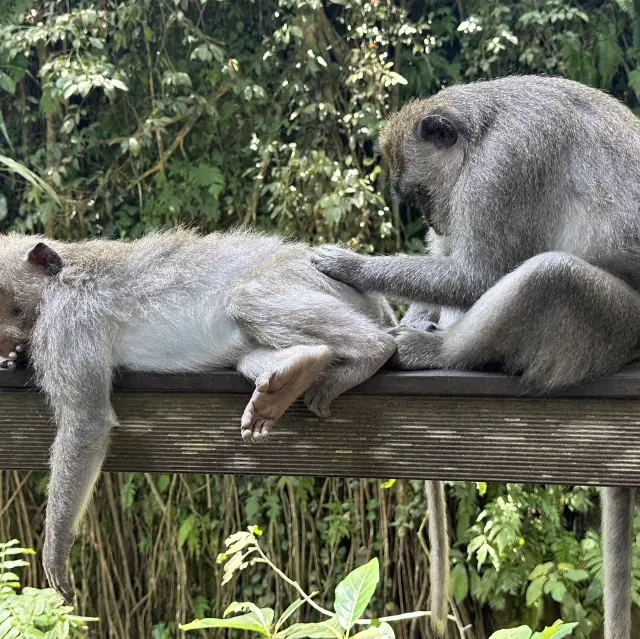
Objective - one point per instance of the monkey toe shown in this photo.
(277, 390)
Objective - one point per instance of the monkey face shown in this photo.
(14, 324)
(25, 276)
(425, 152)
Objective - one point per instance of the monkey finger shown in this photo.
(13, 356)
(58, 581)
(19, 348)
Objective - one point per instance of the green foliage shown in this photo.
(32, 613)
(352, 597)
(556, 631)
(117, 117)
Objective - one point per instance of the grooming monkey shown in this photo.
(531, 186)
(173, 302)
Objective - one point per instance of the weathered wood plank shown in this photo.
(459, 427)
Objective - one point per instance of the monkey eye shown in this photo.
(16, 311)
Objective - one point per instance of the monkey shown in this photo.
(174, 301)
(532, 187)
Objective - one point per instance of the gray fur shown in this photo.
(532, 185)
(176, 301)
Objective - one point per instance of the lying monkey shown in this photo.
(532, 187)
(172, 302)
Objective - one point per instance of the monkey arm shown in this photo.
(72, 355)
(440, 280)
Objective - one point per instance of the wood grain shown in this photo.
(453, 426)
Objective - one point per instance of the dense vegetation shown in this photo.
(263, 112)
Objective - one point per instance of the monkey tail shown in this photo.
(439, 566)
(617, 515)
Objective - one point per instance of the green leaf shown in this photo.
(29, 176)
(534, 591)
(354, 593)
(540, 570)
(459, 583)
(288, 612)
(388, 484)
(558, 591)
(7, 83)
(263, 615)
(185, 530)
(247, 622)
(521, 632)
(119, 84)
(557, 631)
(3, 130)
(329, 629)
(383, 631)
(577, 575)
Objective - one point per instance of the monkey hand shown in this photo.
(54, 560)
(340, 264)
(9, 363)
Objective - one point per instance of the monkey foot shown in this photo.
(9, 362)
(277, 390)
(416, 349)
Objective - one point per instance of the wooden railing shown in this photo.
(430, 425)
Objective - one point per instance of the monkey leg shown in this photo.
(294, 315)
(280, 376)
(355, 364)
(556, 319)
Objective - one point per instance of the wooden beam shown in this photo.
(424, 425)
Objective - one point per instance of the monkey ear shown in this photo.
(45, 258)
(438, 130)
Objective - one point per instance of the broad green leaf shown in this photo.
(388, 484)
(263, 615)
(383, 631)
(557, 631)
(633, 79)
(540, 570)
(329, 629)
(7, 83)
(534, 591)
(397, 78)
(119, 84)
(354, 593)
(558, 591)
(185, 529)
(244, 622)
(459, 583)
(577, 575)
(521, 632)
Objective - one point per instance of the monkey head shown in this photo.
(26, 267)
(424, 145)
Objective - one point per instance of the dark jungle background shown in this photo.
(262, 112)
